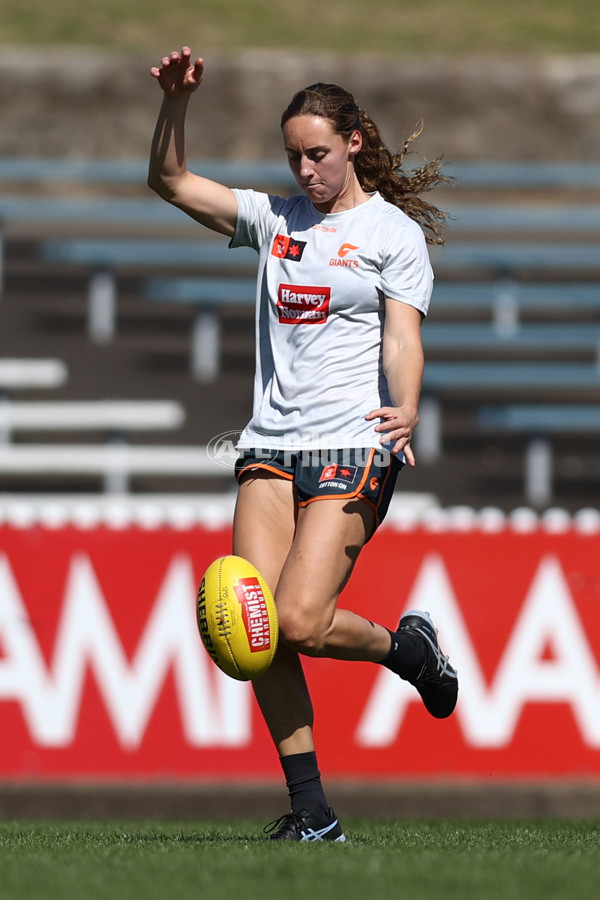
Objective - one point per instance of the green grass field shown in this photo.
(454, 860)
(392, 26)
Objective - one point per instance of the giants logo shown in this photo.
(285, 247)
(341, 259)
(303, 304)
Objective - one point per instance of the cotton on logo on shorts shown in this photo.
(303, 304)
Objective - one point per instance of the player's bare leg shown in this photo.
(329, 534)
(329, 537)
(306, 557)
(266, 532)
(264, 528)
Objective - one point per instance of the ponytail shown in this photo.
(377, 169)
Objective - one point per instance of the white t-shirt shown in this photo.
(320, 305)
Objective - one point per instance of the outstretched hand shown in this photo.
(177, 75)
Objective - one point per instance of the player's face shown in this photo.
(321, 161)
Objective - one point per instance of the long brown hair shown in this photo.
(376, 167)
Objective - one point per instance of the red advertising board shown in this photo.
(102, 672)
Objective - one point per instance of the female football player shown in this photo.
(344, 282)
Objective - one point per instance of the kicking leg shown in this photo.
(264, 528)
(329, 537)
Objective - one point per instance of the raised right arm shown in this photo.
(207, 201)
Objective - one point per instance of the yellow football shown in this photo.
(237, 618)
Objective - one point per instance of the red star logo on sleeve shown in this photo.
(286, 248)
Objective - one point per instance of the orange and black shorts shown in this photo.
(362, 472)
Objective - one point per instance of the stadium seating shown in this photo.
(113, 463)
(18, 374)
(540, 423)
(514, 317)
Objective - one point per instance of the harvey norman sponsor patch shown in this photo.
(304, 304)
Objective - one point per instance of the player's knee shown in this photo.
(302, 633)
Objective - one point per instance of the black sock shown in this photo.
(303, 781)
(407, 655)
